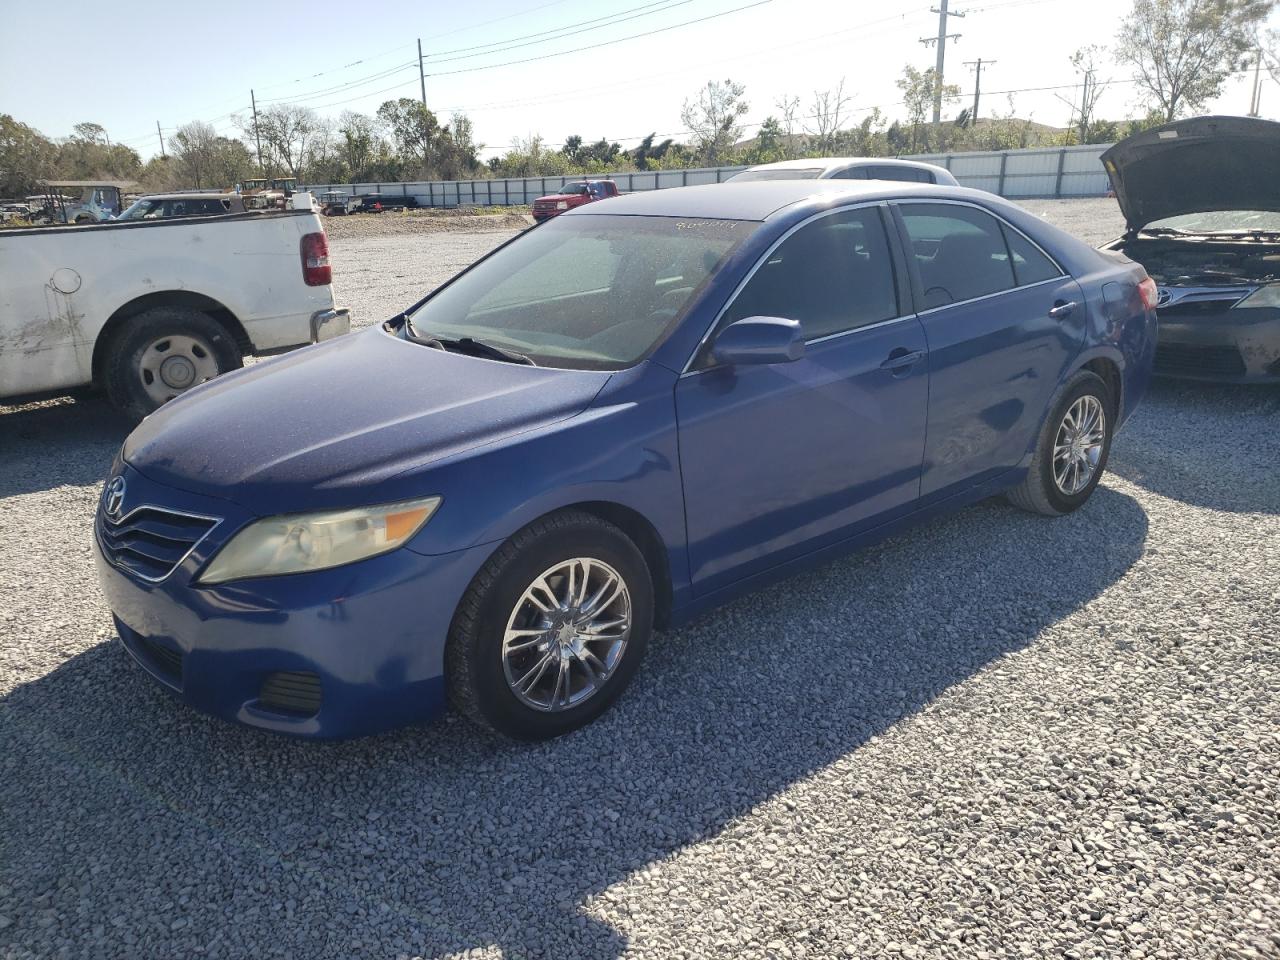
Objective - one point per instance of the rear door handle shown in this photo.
(1062, 308)
(902, 358)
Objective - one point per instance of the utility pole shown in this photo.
(1255, 102)
(1084, 104)
(160, 134)
(422, 77)
(977, 85)
(257, 137)
(941, 40)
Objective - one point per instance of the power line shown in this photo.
(604, 43)
(644, 10)
(349, 85)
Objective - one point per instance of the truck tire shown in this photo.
(163, 352)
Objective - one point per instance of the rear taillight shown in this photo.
(1150, 295)
(316, 271)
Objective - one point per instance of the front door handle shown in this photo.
(900, 359)
(1062, 308)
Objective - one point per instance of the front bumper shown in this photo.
(363, 643)
(1230, 346)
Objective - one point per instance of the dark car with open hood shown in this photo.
(1201, 202)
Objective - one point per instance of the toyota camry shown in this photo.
(616, 420)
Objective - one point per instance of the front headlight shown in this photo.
(562, 204)
(300, 542)
(1268, 296)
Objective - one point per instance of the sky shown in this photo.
(173, 63)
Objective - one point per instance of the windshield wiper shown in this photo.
(471, 346)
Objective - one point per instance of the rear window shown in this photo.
(889, 171)
(793, 173)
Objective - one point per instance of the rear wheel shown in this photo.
(1072, 451)
(552, 629)
(163, 352)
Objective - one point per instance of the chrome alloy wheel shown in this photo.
(1077, 448)
(567, 634)
(174, 364)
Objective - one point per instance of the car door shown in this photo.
(1002, 321)
(781, 459)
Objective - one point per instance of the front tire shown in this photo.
(1071, 453)
(163, 352)
(552, 628)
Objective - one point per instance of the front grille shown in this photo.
(150, 542)
(1184, 359)
(291, 691)
(165, 659)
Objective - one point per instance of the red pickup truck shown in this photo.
(573, 195)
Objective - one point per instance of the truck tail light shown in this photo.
(316, 271)
(1150, 295)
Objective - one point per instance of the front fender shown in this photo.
(623, 451)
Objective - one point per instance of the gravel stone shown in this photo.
(997, 735)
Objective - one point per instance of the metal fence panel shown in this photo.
(1036, 172)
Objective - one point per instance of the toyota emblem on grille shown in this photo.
(1165, 295)
(115, 498)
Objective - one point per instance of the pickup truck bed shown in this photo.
(149, 309)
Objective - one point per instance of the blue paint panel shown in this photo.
(739, 475)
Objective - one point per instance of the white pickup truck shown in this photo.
(148, 309)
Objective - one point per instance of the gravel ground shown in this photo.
(995, 736)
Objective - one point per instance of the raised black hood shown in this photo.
(1195, 166)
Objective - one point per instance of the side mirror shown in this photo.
(755, 340)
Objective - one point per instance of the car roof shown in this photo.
(187, 196)
(841, 163)
(757, 200)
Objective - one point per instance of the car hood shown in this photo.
(1196, 166)
(345, 421)
(561, 196)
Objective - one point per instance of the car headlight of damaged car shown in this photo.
(1268, 296)
(300, 542)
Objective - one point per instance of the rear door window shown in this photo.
(960, 252)
(1029, 264)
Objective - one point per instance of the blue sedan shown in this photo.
(616, 420)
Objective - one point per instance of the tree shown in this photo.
(828, 115)
(414, 129)
(1182, 51)
(572, 147)
(202, 158)
(770, 145)
(646, 154)
(92, 133)
(919, 90)
(788, 106)
(714, 119)
(359, 136)
(286, 132)
(26, 155)
(1085, 61)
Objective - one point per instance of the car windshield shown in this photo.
(147, 206)
(575, 188)
(584, 292)
(790, 173)
(1221, 221)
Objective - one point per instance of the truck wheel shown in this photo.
(163, 352)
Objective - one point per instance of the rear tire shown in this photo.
(163, 352)
(499, 637)
(1071, 453)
